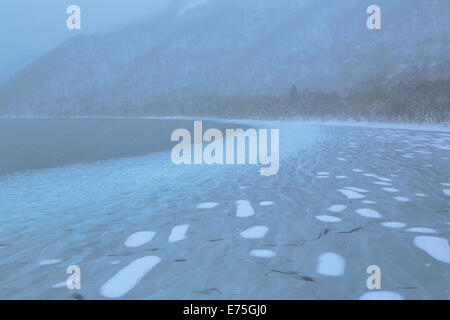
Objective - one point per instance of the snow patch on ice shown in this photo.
(381, 295)
(256, 232)
(260, 253)
(436, 247)
(244, 209)
(394, 224)
(368, 213)
(392, 190)
(421, 230)
(351, 194)
(139, 238)
(207, 205)
(402, 199)
(178, 233)
(325, 218)
(127, 278)
(446, 192)
(337, 208)
(331, 264)
(357, 189)
(266, 203)
(47, 262)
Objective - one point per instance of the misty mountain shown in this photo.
(210, 48)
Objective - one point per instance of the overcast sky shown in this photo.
(32, 27)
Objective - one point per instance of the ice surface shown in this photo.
(369, 202)
(381, 295)
(207, 205)
(127, 278)
(436, 247)
(368, 213)
(331, 264)
(178, 233)
(337, 208)
(256, 232)
(261, 253)
(266, 203)
(325, 218)
(394, 224)
(446, 192)
(244, 209)
(139, 238)
(351, 194)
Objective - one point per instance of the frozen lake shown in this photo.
(139, 227)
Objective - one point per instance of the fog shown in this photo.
(29, 28)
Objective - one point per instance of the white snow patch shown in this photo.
(326, 218)
(256, 232)
(244, 209)
(421, 230)
(337, 208)
(368, 213)
(60, 285)
(178, 233)
(357, 170)
(351, 194)
(331, 264)
(127, 278)
(341, 177)
(357, 189)
(323, 173)
(139, 238)
(436, 247)
(263, 253)
(402, 199)
(377, 177)
(207, 205)
(381, 295)
(422, 195)
(445, 184)
(47, 262)
(392, 190)
(446, 192)
(380, 183)
(266, 203)
(394, 224)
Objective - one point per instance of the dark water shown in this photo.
(44, 143)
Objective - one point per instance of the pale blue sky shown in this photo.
(32, 27)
